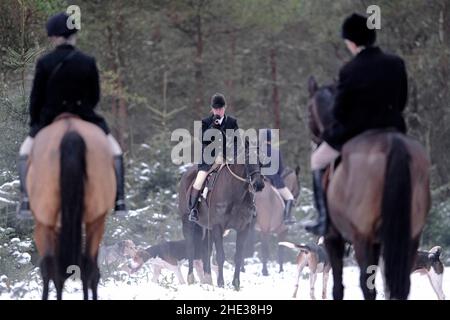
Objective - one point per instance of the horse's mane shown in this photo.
(324, 100)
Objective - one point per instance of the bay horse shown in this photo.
(228, 206)
(378, 200)
(70, 186)
(270, 216)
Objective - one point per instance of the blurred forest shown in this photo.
(161, 61)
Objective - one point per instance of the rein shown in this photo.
(234, 174)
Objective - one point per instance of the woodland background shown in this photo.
(160, 62)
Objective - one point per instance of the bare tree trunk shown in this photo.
(445, 38)
(198, 63)
(275, 96)
(119, 104)
(229, 82)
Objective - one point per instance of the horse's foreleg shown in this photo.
(188, 231)
(367, 255)
(220, 253)
(206, 258)
(241, 238)
(281, 237)
(264, 252)
(335, 247)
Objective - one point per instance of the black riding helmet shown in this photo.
(57, 26)
(355, 29)
(218, 101)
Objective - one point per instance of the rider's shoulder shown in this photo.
(395, 59)
(208, 120)
(231, 119)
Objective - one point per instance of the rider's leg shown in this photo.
(120, 206)
(22, 167)
(320, 159)
(289, 199)
(195, 194)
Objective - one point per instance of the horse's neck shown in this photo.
(235, 184)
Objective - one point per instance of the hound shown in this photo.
(167, 255)
(117, 253)
(315, 257)
(429, 263)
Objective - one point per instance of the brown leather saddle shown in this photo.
(209, 184)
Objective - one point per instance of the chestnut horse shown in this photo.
(270, 215)
(70, 185)
(378, 199)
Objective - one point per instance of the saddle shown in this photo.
(329, 173)
(211, 179)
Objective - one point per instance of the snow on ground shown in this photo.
(254, 286)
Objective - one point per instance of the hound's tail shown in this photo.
(303, 247)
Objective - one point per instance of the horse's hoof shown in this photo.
(281, 270)
(242, 269)
(207, 279)
(265, 273)
(220, 283)
(236, 284)
(190, 278)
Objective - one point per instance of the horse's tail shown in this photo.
(396, 220)
(72, 178)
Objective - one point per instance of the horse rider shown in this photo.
(371, 94)
(276, 180)
(66, 80)
(217, 120)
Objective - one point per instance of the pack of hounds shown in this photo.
(170, 255)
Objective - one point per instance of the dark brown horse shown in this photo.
(378, 199)
(270, 214)
(69, 187)
(229, 206)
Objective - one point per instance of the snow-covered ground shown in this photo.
(254, 286)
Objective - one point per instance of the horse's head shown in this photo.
(257, 180)
(321, 100)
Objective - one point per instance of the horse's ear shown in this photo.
(312, 86)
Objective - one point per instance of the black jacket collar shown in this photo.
(65, 46)
(369, 50)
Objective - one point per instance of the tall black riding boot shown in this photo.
(320, 226)
(23, 211)
(288, 212)
(120, 207)
(193, 201)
